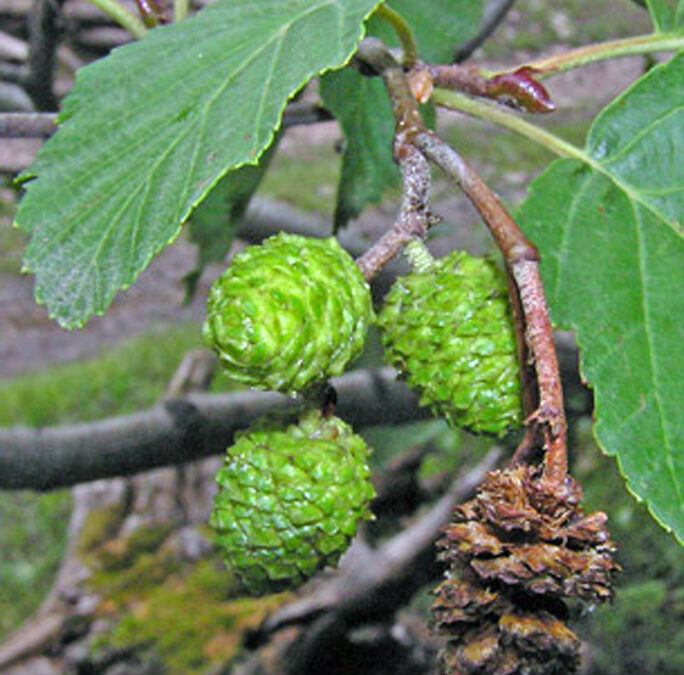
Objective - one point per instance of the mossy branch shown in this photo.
(414, 216)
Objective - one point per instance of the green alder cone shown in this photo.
(290, 500)
(449, 331)
(288, 313)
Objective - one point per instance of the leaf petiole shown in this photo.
(122, 16)
(403, 31)
(498, 115)
(180, 9)
(603, 51)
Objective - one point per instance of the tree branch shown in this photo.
(522, 259)
(27, 125)
(177, 431)
(516, 89)
(44, 33)
(43, 125)
(520, 256)
(373, 54)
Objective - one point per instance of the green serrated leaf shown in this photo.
(609, 231)
(213, 223)
(362, 107)
(667, 15)
(150, 129)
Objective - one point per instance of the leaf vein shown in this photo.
(649, 333)
(563, 246)
(643, 132)
(633, 196)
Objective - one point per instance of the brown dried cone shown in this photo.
(515, 552)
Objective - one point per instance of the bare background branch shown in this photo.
(27, 125)
(494, 13)
(177, 431)
(44, 34)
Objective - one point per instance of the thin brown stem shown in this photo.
(414, 215)
(374, 54)
(518, 89)
(530, 395)
(467, 79)
(549, 416)
(507, 234)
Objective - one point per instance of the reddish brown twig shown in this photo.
(528, 379)
(517, 89)
(373, 54)
(521, 258)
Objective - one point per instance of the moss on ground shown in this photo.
(120, 553)
(32, 543)
(185, 615)
(32, 526)
(100, 526)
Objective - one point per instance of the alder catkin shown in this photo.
(290, 500)
(288, 313)
(448, 330)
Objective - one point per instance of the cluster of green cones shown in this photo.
(293, 312)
